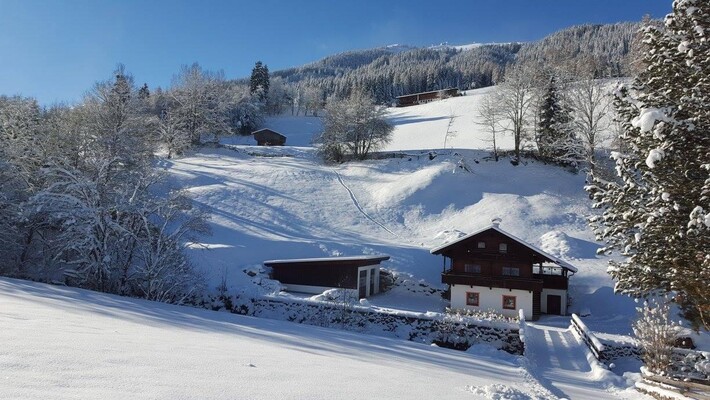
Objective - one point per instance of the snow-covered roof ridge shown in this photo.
(377, 257)
(497, 228)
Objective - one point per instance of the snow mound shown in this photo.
(561, 245)
(449, 236)
(556, 243)
(499, 391)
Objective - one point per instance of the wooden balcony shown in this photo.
(505, 282)
(553, 281)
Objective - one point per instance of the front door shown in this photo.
(554, 304)
(362, 284)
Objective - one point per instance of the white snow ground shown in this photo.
(66, 343)
(277, 203)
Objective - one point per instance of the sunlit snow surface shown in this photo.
(64, 343)
(283, 202)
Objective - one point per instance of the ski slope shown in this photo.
(66, 343)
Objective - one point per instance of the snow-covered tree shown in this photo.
(355, 126)
(656, 334)
(162, 270)
(589, 102)
(172, 134)
(198, 102)
(554, 137)
(259, 81)
(657, 213)
(516, 104)
(489, 117)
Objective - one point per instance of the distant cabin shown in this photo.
(492, 269)
(316, 275)
(267, 137)
(426, 97)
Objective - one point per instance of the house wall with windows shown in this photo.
(500, 264)
(492, 299)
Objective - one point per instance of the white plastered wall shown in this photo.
(492, 299)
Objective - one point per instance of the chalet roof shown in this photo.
(431, 91)
(325, 260)
(266, 130)
(495, 227)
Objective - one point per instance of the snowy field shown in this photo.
(280, 203)
(64, 343)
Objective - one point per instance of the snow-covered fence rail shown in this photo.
(522, 331)
(594, 344)
(665, 387)
(439, 328)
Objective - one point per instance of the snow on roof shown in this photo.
(378, 257)
(265, 129)
(558, 261)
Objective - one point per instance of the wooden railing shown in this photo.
(693, 390)
(596, 347)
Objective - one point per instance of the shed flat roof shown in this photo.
(377, 258)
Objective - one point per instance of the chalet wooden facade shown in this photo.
(426, 97)
(267, 137)
(492, 269)
(316, 275)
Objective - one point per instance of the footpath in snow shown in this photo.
(559, 360)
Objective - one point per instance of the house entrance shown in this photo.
(554, 304)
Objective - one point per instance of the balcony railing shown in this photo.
(505, 282)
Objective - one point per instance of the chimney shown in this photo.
(496, 222)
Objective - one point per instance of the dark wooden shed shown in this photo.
(267, 137)
(316, 275)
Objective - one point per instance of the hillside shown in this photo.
(279, 203)
(391, 71)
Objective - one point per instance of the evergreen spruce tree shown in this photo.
(259, 82)
(657, 213)
(553, 134)
(144, 92)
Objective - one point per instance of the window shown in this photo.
(472, 299)
(472, 268)
(509, 302)
(511, 271)
(503, 247)
(481, 245)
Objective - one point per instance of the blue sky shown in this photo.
(55, 50)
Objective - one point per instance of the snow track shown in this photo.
(359, 207)
(562, 364)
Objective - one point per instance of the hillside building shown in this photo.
(316, 275)
(492, 269)
(268, 137)
(426, 97)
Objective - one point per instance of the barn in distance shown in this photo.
(268, 137)
(426, 97)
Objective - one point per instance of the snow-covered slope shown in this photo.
(64, 343)
(449, 123)
(279, 203)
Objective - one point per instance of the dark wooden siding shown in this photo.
(493, 262)
(317, 275)
(425, 97)
(267, 137)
